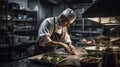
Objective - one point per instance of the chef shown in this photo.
(53, 32)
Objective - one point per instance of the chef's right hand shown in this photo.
(66, 47)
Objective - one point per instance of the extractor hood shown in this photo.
(103, 8)
(51, 2)
(55, 2)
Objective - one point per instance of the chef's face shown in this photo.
(64, 21)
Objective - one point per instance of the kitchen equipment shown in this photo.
(21, 38)
(109, 60)
(103, 8)
(24, 28)
(5, 17)
(94, 48)
(13, 5)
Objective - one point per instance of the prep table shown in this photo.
(71, 61)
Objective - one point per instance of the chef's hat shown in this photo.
(69, 14)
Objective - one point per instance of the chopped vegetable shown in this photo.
(95, 54)
(52, 59)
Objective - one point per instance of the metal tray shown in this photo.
(94, 49)
(41, 59)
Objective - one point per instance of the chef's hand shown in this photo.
(73, 50)
(68, 48)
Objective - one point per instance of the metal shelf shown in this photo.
(18, 20)
(85, 31)
(27, 43)
(5, 46)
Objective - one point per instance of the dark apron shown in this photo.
(48, 48)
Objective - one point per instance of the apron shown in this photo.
(48, 48)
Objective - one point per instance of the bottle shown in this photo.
(108, 58)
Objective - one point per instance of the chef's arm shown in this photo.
(69, 43)
(68, 47)
(46, 40)
(55, 43)
(66, 38)
(64, 45)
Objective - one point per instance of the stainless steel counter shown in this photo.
(71, 61)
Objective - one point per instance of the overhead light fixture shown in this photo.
(96, 19)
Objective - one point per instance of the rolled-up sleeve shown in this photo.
(44, 33)
(68, 40)
(66, 37)
(44, 39)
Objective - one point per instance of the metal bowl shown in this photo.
(89, 62)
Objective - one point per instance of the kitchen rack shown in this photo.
(17, 31)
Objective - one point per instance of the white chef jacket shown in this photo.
(46, 29)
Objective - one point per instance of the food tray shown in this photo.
(47, 59)
(94, 49)
(95, 54)
(99, 59)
